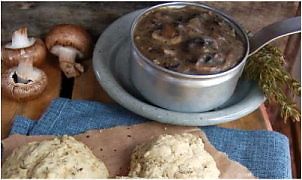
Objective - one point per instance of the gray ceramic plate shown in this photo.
(111, 65)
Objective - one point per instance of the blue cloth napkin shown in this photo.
(264, 153)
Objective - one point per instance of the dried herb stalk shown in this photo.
(266, 68)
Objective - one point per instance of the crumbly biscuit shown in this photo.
(62, 157)
(173, 156)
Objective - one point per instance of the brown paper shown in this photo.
(114, 146)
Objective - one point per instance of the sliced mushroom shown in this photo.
(23, 82)
(211, 63)
(199, 45)
(34, 47)
(194, 44)
(195, 24)
(170, 52)
(167, 35)
(69, 42)
(171, 63)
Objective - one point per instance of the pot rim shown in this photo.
(227, 18)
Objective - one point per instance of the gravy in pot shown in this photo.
(188, 40)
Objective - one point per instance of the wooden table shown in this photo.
(86, 87)
(39, 17)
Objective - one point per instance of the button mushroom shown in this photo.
(23, 82)
(34, 47)
(69, 42)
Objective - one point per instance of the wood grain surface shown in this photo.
(86, 86)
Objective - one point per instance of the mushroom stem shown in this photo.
(20, 38)
(68, 65)
(25, 70)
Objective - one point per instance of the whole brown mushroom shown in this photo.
(23, 82)
(11, 52)
(23, 91)
(69, 42)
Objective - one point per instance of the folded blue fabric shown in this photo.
(264, 153)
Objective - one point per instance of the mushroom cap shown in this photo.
(69, 35)
(21, 91)
(11, 56)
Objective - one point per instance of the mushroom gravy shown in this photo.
(188, 40)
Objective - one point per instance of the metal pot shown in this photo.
(198, 93)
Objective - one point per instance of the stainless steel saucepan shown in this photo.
(198, 93)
